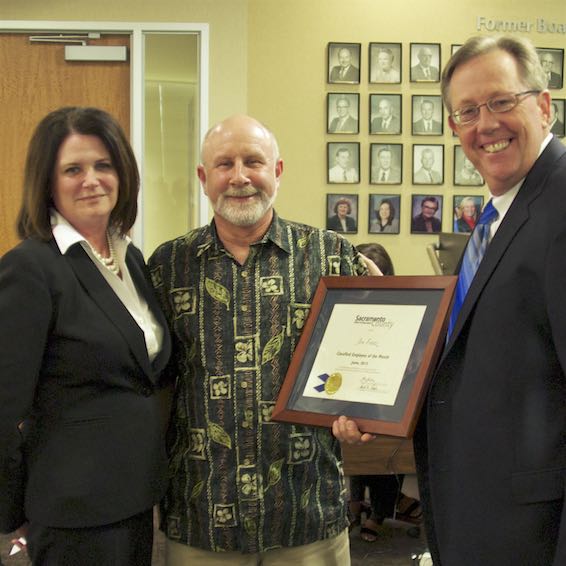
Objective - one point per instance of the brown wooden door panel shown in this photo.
(35, 79)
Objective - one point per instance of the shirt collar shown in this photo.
(276, 233)
(503, 202)
(65, 236)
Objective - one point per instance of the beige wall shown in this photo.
(268, 57)
(287, 89)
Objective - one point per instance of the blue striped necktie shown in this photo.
(475, 250)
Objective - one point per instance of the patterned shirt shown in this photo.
(238, 480)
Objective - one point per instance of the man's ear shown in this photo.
(202, 177)
(544, 102)
(452, 125)
(279, 170)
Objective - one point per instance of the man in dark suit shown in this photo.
(424, 71)
(426, 221)
(344, 123)
(345, 72)
(556, 126)
(384, 171)
(490, 445)
(385, 122)
(427, 125)
(547, 62)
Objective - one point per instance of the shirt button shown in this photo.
(243, 384)
(244, 308)
(244, 273)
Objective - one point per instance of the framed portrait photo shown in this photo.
(385, 114)
(384, 214)
(342, 213)
(552, 61)
(465, 174)
(426, 214)
(343, 113)
(425, 62)
(428, 164)
(343, 162)
(427, 115)
(386, 163)
(344, 61)
(557, 117)
(338, 367)
(467, 210)
(385, 63)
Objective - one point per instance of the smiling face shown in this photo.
(342, 107)
(384, 108)
(240, 172)
(343, 158)
(384, 61)
(428, 208)
(385, 159)
(502, 146)
(547, 62)
(342, 210)
(344, 57)
(427, 109)
(427, 159)
(425, 56)
(384, 211)
(85, 183)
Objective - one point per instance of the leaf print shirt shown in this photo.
(238, 480)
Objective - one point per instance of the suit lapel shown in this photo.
(516, 216)
(137, 272)
(102, 294)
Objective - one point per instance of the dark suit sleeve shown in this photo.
(25, 312)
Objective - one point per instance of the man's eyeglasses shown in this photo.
(497, 104)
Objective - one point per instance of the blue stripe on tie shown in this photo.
(475, 250)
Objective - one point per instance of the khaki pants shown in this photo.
(329, 552)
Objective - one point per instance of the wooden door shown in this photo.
(34, 80)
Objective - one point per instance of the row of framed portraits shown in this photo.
(386, 110)
(386, 165)
(384, 213)
(344, 63)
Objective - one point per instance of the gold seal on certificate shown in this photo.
(333, 383)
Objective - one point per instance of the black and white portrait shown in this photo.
(385, 113)
(427, 117)
(343, 111)
(384, 214)
(385, 63)
(343, 162)
(344, 61)
(552, 61)
(342, 212)
(426, 213)
(428, 164)
(465, 174)
(557, 117)
(386, 163)
(425, 62)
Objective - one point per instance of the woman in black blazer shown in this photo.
(82, 342)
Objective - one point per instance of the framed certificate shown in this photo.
(367, 351)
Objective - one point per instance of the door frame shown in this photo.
(136, 31)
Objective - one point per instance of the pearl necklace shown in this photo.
(109, 262)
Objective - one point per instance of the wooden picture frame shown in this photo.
(381, 383)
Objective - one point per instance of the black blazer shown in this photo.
(491, 442)
(74, 370)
